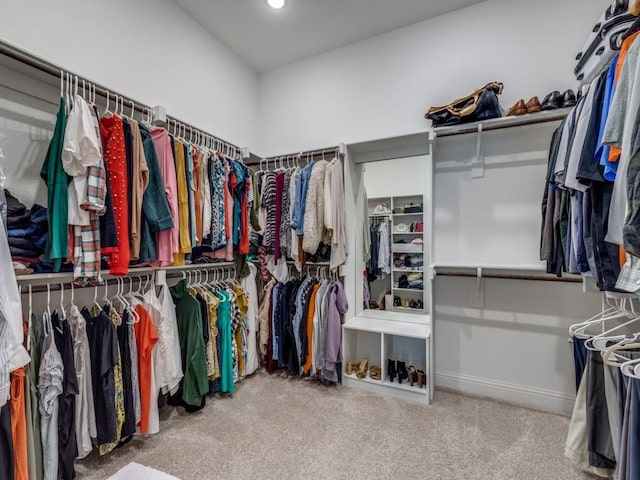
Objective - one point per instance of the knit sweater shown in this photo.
(314, 231)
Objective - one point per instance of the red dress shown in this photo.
(112, 133)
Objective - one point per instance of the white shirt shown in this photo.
(249, 285)
(81, 150)
(10, 311)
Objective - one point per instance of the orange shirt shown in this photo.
(19, 425)
(312, 311)
(614, 152)
(146, 338)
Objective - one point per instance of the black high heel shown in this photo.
(403, 374)
(391, 369)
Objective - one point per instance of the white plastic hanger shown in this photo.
(63, 313)
(620, 311)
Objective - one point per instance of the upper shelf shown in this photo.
(503, 122)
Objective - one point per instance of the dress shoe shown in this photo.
(552, 101)
(533, 105)
(518, 109)
(568, 99)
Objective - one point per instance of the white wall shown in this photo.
(382, 87)
(410, 174)
(148, 49)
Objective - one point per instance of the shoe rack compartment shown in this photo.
(412, 351)
(362, 344)
(379, 339)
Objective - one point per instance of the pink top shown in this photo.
(167, 241)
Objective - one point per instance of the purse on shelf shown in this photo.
(482, 104)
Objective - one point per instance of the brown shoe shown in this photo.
(533, 105)
(518, 109)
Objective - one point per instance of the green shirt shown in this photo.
(194, 357)
(57, 183)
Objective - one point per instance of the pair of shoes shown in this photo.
(416, 304)
(521, 108)
(375, 373)
(396, 301)
(398, 369)
(557, 100)
(361, 372)
(352, 368)
(416, 376)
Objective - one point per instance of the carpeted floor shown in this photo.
(277, 428)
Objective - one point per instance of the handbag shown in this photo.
(482, 104)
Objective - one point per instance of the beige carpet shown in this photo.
(275, 428)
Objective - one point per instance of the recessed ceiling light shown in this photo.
(276, 3)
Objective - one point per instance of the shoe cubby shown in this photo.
(380, 339)
(358, 345)
(410, 350)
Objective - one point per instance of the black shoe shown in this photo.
(568, 99)
(551, 101)
(396, 301)
(391, 369)
(403, 374)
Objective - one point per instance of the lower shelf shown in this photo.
(386, 384)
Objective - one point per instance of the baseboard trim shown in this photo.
(538, 398)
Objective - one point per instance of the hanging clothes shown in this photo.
(166, 239)
(50, 387)
(112, 132)
(194, 360)
(57, 180)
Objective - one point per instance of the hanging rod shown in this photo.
(227, 148)
(502, 123)
(513, 276)
(308, 155)
(33, 61)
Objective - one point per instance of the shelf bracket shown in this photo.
(478, 299)
(477, 165)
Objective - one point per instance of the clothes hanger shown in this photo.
(29, 318)
(63, 313)
(618, 311)
(589, 344)
(630, 369)
(107, 113)
(48, 300)
(95, 297)
(609, 353)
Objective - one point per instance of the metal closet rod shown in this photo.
(57, 286)
(53, 70)
(197, 133)
(309, 154)
(512, 276)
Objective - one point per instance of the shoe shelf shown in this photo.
(407, 290)
(382, 335)
(409, 270)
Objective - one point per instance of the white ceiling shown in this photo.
(266, 38)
